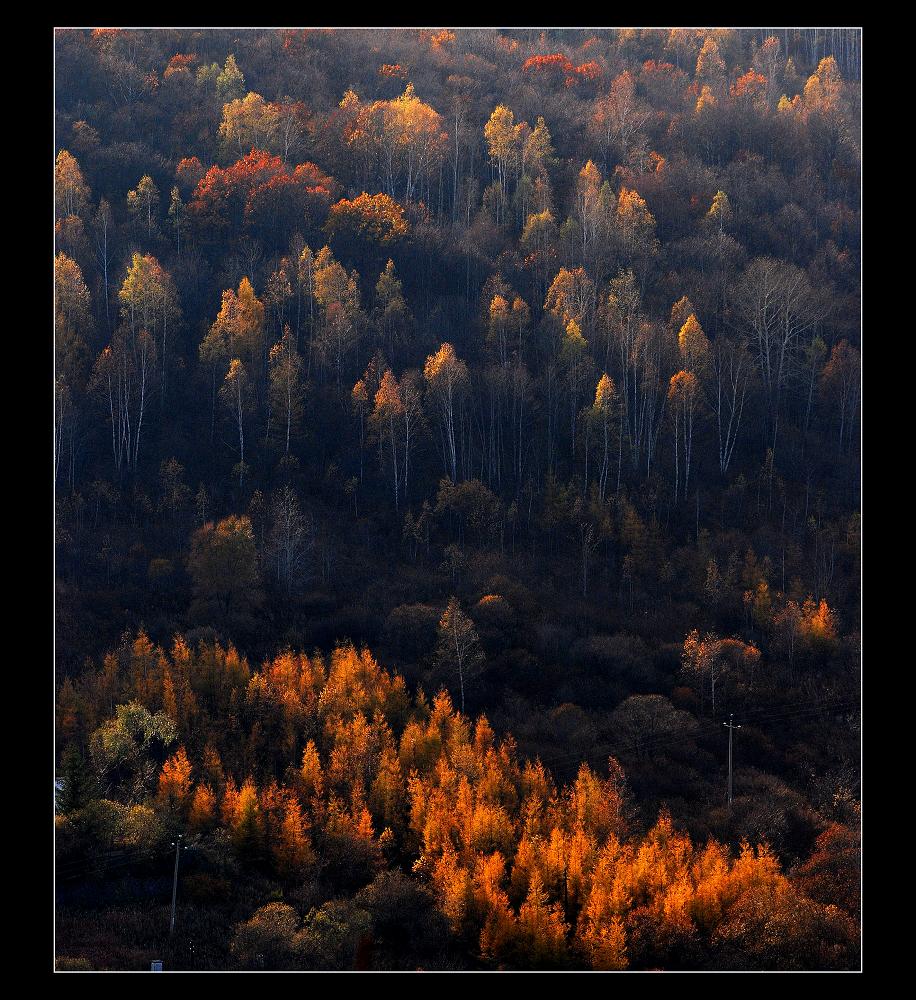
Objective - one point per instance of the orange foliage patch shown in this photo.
(374, 217)
(250, 183)
(179, 63)
(749, 85)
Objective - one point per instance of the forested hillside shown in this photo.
(452, 430)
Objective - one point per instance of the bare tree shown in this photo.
(459, 645)
(732, 367)
(291, 540)
(776, 306)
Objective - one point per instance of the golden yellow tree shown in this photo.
(505, 140)
(389, 409)
(603, 412)
(446, 377)
(542, 927)
(203, 808)
(143, 200)
(71, 192)
(175, 781)
(249, 123)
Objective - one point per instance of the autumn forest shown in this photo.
(457, 499)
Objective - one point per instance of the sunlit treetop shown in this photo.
(720, 211)
(71, 294)
(499, 309)
(230, 82)
(706, 100)
(710, 65)
(180, 65)
(71, 192)
(249, 122)
(406, 134)
(556, 62)
(504, 136)
(751, 86)
(388, 288)
(388, 403)
(605, 394)
(375, 218)
(332, 284)
(636, 223)
(590, 177)
(693, 343)
(445, 368)
(571, 295)
(443, 39)
(247, 186)
(574, 344)
(538, 152)
(683, 386)
(680, 311)
(824, 88)
(148, 293)
(560, 67)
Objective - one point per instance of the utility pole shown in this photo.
(177, 844)
(729, 726)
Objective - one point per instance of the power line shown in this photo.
(70, 870)
(730, 726)
(178, 849)
(112, 856)
(663, 739)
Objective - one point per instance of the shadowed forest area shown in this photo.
(453, 431)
